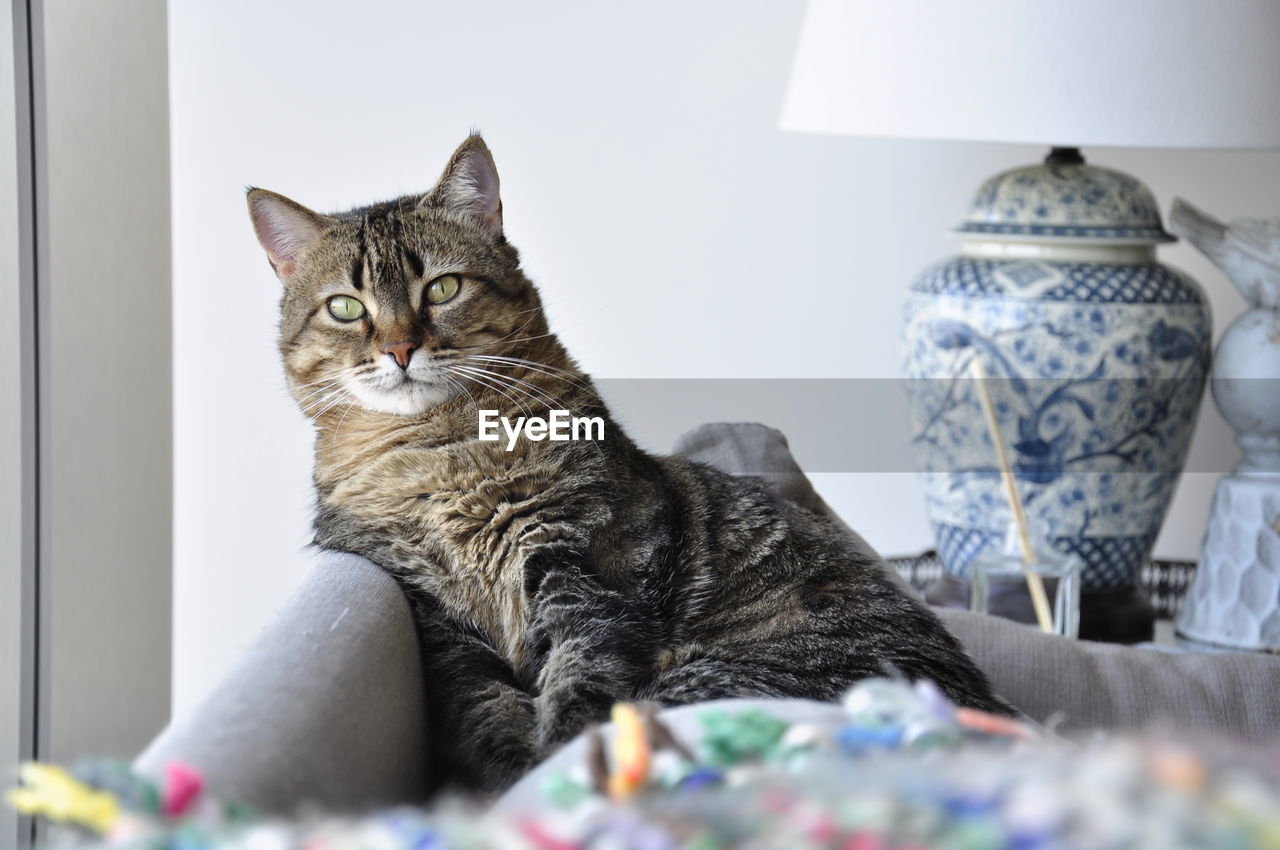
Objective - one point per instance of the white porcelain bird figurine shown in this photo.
(1233, 601)
(1247, 249)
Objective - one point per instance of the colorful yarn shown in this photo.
(731, 737)
(906, 771)
(630, 751)
(54, 793)
(184, 784)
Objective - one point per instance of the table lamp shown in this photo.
(1097, 354)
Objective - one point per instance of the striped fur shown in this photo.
(552, 580)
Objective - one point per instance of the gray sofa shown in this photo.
(327, 707)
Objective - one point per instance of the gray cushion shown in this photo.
(1099, 685)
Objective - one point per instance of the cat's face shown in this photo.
(383, 304)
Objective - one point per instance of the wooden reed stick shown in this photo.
(1039, 599)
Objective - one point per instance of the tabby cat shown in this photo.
(551, 580)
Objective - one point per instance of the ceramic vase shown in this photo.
(1096, 356)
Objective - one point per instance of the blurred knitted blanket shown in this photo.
(896, 766)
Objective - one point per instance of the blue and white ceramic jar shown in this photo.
(1096, 355)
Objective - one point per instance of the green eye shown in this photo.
(344, 308)
(443, 288)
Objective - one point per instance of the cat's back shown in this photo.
(748, 534)
(784, 585)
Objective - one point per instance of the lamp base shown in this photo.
(1097, 356)
(1109, 615)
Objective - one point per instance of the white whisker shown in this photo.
(504, 381)
(455, 383)
(485, 379)
(341, 395)
(572, 378)
(549, 399)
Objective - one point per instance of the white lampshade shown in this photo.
(1131, 73)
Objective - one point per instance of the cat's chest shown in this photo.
(461, 524)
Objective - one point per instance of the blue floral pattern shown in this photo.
(1107, 283)
(1066, 201)
(1096, 398)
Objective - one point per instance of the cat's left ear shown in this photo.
(285, 229)
(469, 185)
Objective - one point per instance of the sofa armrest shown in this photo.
(326, 707)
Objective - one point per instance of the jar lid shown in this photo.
(1065, 202)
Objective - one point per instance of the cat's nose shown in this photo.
(401, 351)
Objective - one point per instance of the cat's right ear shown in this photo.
(284, 229)
(469, 186)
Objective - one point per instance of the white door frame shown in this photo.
(88, 399)
(18, 449)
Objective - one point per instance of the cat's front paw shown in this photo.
(566, 588)
(568, 604)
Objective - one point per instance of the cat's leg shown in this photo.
(578, 686)
(906, 637)
(482, 720)
(697, 674)
(804, 670)
(949, 667)
(594, 642)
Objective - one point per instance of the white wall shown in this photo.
(651, 193)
